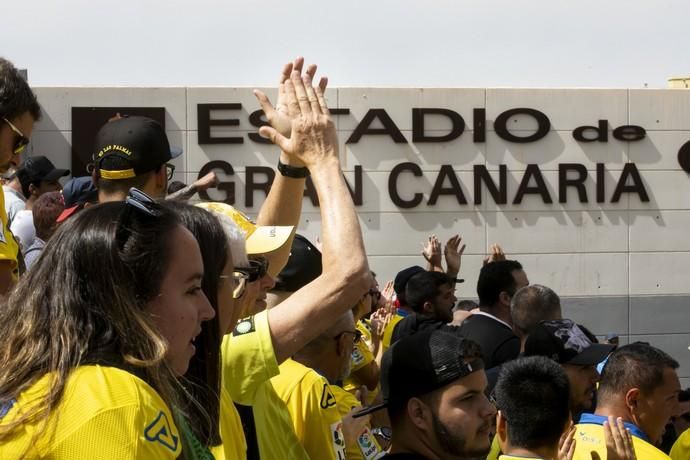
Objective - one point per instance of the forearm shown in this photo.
(283, 206)
(307, 313)
(341, 235)
(183, 194)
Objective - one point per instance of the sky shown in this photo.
(372, 43)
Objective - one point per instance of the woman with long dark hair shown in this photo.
(95, 336)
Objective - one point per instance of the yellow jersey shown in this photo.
(589, 437)
(361, 356)
(313, 410)
(495, 451)
(104, 413)
(366, 447)
(681, 448)
(8, 245)
(388, 332)
(247, 363)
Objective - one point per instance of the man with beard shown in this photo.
(566, 343)
(431, 295)
(433, 385)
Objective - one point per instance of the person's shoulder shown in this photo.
(645, 450)
(109, 387)
(681, 448)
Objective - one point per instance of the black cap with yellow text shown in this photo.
(423, 362)
(129, 146)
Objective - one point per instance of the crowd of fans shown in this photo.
(136, 325)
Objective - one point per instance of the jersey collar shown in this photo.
(593, 419)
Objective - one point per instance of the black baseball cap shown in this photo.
(566, 343)
(403, 277)
(76, 193)
(420, 363)
(129, 146)
(37, 169)
(303, 266)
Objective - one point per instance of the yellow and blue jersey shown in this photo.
(589, 437)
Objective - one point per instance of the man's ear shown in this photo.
(501, 430)
(632, 398)
(94, 178)
(161, 178)
(419, 414)
(340, 347)
(504, 298)
(428, 307)
(33, 190)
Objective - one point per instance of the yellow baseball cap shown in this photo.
(259, 239)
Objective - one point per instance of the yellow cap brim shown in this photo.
(268, 239)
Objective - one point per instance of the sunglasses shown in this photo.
(137, 204)
(375, 294)
(21, 141)
(258, 267)
(357, 334)
(169, 170)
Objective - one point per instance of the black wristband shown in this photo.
(293, 171)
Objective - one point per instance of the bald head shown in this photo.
(532, 304)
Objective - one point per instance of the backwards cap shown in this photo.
(566, 343)
(259, 239)
(129, 146)
(423, 362)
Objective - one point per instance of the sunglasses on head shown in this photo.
(137, 204)
(21, 140)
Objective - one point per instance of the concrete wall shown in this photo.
(621, 267)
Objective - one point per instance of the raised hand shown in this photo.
(431, 251)
(495, 254)
(387, 294)
(619, 443)
(566, 444)
(453, 253)
(312, 135)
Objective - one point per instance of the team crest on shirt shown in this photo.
(338, 440)
(367, 445)
(357, 357)
(244, 327)
(159, 431)
(327, 398)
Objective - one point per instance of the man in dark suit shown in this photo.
(491, 327)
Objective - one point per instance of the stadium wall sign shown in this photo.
(570, 175)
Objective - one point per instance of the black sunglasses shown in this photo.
(137, 203)
(375, 294)
(21, 141)
(258, 267)
(356, 333)
(169, 170)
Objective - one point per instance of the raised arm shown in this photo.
(283, 204)
(345, 276)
